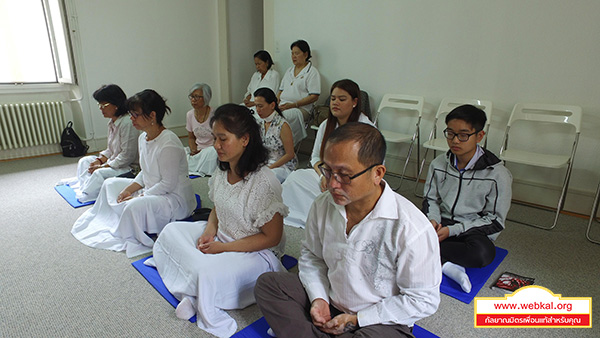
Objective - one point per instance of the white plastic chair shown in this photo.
(543, 114)
(397, 105)
(436, 143)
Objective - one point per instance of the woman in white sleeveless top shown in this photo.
(276, 134)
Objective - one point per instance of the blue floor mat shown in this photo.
(69, 195)
(259, 328)
(152, 276)
(478, 277)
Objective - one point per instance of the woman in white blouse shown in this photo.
(276, 134)
(300, 89)
(121, 154)
(212, 266)
(302, 186)
(201, 155)
(127, 210)
(264, 77)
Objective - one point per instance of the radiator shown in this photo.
(30, 124)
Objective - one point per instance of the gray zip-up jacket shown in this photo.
(476, 200)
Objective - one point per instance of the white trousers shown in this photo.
(88, 185)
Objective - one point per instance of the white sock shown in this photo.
(150, 262)
(185, 309)
(458, 274)
(271, 333)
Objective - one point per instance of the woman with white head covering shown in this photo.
(201, 155)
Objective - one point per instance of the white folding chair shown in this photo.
(440, 143)
(543, 114)
(388, 120)
(593, 217)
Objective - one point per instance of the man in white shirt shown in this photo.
(370, 262)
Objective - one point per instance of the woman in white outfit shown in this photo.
(127, 210)
(201, 155)
(121, 154)
(299, 89)
(276, 134)
(302, 186)
(264, 77)
(213, 266)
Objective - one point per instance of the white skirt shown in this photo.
(295, 118)
(281, 173)
(214, 283)
(203, 163)
(299, 191)
(123, 226)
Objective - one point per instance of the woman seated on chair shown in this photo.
(304, 185)
(276, 134)
(299, 89)
(121, 154)
(129, 209)
(201, 155)
(264, 77)
(213, 266)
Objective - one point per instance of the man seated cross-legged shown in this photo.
(369, 265)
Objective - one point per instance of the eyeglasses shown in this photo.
(134, 114)
(195, 97)
(103, 105)
(462, 137)
(341, 178)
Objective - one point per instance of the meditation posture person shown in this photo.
(276, 134)
(121, 154)
(467, 196)
(300, 89)
(302, 186)
(201, 155)
(213, 266)
(127, 210)
(369, 264)
(264, 77)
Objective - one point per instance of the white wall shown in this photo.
(245, 37)
(139, 44)
(504, 51)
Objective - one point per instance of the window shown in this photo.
(34, 42)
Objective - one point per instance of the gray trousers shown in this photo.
(286, 307)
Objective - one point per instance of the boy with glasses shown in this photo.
(369, 265)
(467, 196)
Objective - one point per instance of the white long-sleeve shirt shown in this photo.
(387, 270)
(165, 170)
(122, 142)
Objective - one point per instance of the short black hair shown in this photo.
(265, 57)
(112, 94)
(269, 95)
(303, 46)
(470, 114)
(239, 120)
(148, 100)
(372, 147)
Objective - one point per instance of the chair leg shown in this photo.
(410, 148)
(421, 167)
(593, 216)
(559, 206)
